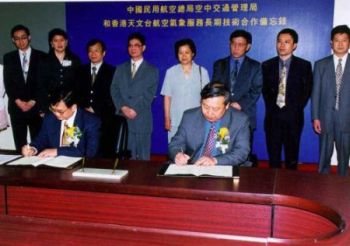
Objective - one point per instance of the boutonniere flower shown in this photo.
(74, 135)
(223, 139)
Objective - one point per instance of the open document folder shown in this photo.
(58, 161)
(201, 171)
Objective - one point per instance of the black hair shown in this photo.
(183, 42)
(62, 94)
(242, 33)
(215, 89)
(341, 29)
(136, 35)
(291, 32)
(57, 31)
(19, 28)
(95, 41)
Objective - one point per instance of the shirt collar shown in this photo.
(28, 52)
(97, 65)
(70, 120)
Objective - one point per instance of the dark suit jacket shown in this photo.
(190, 136)
(247, 87)
(298, 91)
(98, 95)
(49, 136)
(137, 93)
(16, 87)
(52, 75)
(324, 94)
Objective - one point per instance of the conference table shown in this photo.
(49, 206)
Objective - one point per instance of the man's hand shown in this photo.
(28, 150)
(129, 112)
(206, 161)
(181, 158)
(48, 153)
(90, 109)
(25, 106)
(167, 124)
(236, 106)
(317, 126)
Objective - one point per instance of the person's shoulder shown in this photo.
(237, 114)
(251, 61)
(150, 66)
(107, 66)
(270, 61)
(88, 116)
(39, 52)
(222, 60)
(192, 112)
(10, 54)
(123, 65)
(198, 66)
(324, 60)
(301, 61)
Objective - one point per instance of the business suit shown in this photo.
(191, 136)
(54, 75)
(335, 124)
(26, 90)
(49, 136)
(283, 126)
(98, 97)
(247, 87)
(138, 94)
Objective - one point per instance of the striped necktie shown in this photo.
(338, 82)
(210, 143)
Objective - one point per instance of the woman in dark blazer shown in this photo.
(59, 69)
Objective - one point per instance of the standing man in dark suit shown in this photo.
(133, 88)
(286, 91)
(67, 130)
(93, 91)
(243, 76)
(20, 70)
(212, 134)
(331, 102)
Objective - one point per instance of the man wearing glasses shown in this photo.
(133, 88)
(66, 130)
(20, 70)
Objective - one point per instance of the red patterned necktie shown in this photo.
(210, 143)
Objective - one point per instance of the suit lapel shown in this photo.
(346, 73)
(275, 73)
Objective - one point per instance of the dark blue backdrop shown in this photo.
(209, 24)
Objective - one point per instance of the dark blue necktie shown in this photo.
(234, 74)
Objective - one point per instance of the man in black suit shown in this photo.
(286, 91)
(93, 86)
(20, 70)
(243, 76)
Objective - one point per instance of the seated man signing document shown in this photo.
(66, 130)
(212, 134)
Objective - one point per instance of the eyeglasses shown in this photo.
(135, 45)
(20, 38)
(59, 112)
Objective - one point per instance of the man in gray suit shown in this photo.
(243, 76)
(331, 102)
(212, 134)
(133, 88)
